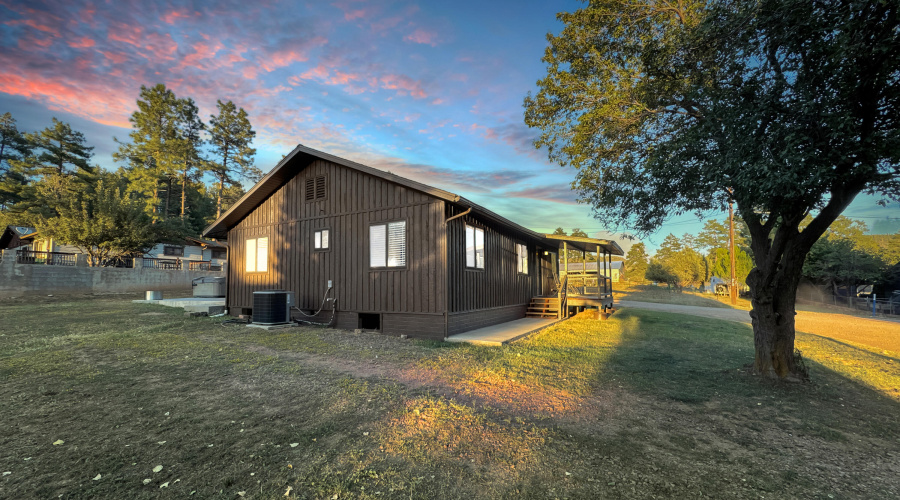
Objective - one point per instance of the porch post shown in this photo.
(565, 260)
(598, 271)
(609, 258)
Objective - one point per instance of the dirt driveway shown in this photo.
(875, 333)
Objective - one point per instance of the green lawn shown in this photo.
(645, 405)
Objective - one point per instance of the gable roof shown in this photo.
(302, 156)
(12, 232)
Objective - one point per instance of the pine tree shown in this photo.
(14, 148)
(62, 151)
(188, 146)
(230, 136)
(152, 156)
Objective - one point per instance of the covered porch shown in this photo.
(570, 287)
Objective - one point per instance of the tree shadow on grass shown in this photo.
(705, 362)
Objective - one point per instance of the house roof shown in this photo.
(302, 156)
(592, 266)
(15, 231)
(206, 243)
(585, 244)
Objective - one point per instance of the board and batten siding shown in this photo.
(353, 201)
(499, 284)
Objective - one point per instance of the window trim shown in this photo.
(387, 245)
(475, 246)
(319, 230)
(520, 269)
(256, 254)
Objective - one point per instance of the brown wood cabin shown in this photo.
(400, 257)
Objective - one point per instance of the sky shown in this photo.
(432, 91)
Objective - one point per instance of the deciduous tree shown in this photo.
(787, 108)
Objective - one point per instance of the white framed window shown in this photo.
(320, 239)
(474, 247)
(387, 244)
(521, 258)
(257, 255)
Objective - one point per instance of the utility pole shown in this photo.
(732, 288)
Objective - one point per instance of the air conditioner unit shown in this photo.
(272, 307)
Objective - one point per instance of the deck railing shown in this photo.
(121, 262)
(203, 265)
(45, 258)
(590, 285)
(153, 263)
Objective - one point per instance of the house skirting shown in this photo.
(419, 325)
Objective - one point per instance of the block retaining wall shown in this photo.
(40, 279)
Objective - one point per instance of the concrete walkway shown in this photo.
(726, 314)
(503, 333)
(191, 304)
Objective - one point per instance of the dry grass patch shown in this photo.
(645, 405)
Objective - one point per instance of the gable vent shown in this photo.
(315, 188)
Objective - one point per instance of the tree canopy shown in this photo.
(787, 108)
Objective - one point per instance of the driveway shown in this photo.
(878, 333)
(708, 312)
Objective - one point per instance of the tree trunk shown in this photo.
(773, 294)
(183, 189)
(168, 195)
(219, 198)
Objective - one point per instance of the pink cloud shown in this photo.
(33, 24)
(422, 36)
(92, 101)
(174, 15)
(82, 43)
(437, 101)
(286, 57)
(159, 46)
(404, 85)
(559, 193)
(115, 58)
(203, 57)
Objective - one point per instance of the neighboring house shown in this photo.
(396, 255)
(195, 250)
(16, 236)
(191, 249)
(21, 236)
(614, 270)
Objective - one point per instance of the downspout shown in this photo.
(447, 270)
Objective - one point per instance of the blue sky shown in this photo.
(428, 90)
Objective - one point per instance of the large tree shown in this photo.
(153, 155)
(103, 222)
(14, 148)
(230, 136)
(786, 108)
(636, 262)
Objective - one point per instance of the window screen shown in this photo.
(474, 247)
(387, 244)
